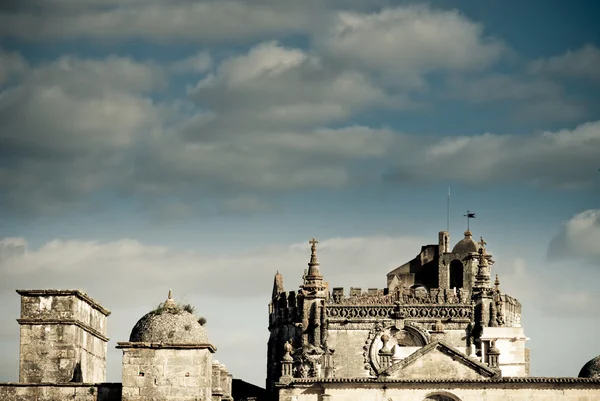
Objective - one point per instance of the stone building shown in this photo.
(63, 354)
(441, 329)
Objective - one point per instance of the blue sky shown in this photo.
(196, 145)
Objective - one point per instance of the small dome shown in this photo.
(466, 245)
(591, 370)
(171, 324)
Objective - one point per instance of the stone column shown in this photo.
(217, 391)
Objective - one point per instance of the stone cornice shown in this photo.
(73, 322)
(591, 383)
(69, 384)
(125, 345)
(79, 294)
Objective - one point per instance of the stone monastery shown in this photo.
(442, 329)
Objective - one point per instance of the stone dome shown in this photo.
(169, 323)
(466, 245)
(591, 370)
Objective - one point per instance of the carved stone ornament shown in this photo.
(409, 336)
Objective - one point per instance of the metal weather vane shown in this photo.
(470, 215)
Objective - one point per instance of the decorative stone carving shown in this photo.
(360, 312)
(386, 339)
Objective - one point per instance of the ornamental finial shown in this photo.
(169, 302)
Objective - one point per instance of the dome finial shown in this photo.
(169, 302)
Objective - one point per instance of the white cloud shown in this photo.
(198, 21)
(581, 63)
(578, 239)
(67, 124)
(565, 158)
(407, 42)
(273, 86)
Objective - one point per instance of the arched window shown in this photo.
(456, 274)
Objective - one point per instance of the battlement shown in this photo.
(284, 307)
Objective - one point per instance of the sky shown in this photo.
(148, 145)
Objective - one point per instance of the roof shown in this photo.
(79, 294)
(466, 245)
(591, 369)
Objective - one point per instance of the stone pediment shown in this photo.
(439, 360)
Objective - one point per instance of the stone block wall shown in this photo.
(166, 374)
(511, 343)
(63, 337)
(475, 391)
(60, 392)
(350, 352)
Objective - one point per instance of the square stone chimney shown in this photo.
(63, 337)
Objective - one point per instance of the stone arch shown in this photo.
(441, 396)
(408, 336)
(457, 271)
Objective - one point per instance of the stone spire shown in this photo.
(313, 280)
(482, 279)
(313, 265)
(277, 285)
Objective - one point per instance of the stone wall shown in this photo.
(63, 337)
(511, 343)
(60, 392)
(164, 374)
(559, 389)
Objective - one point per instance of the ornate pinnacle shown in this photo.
(314, 261)
(314, 274)
(497, 281)
(482, 243)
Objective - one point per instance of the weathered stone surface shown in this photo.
(49, 392)
(591, 369)
(63, 337)
(481, 390)
(166, 374)
(169, 326)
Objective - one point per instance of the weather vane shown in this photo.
(470, 215)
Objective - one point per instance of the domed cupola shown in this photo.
(466, 245)
(170, 323)
(591, 370)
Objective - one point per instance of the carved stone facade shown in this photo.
(440, 317)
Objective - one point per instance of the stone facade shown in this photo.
(60, 392)
(63, 337)
(440, 317)
(63, 354)
(514, 389)
(440, 330)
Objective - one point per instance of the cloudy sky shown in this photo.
(198, 145)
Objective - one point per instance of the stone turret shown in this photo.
(314, 293)
(63, 337)
(168, 357)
